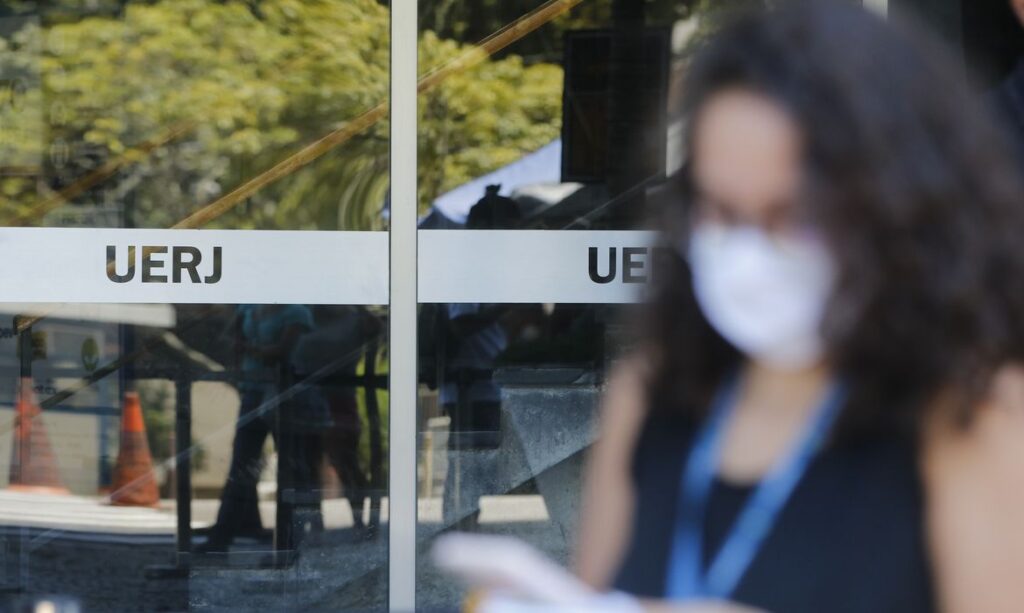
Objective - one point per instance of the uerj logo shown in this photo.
(183, 265)
(636, 265)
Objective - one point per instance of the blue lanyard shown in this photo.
(685, 579)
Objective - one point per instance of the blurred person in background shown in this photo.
(328, 358)
(828, 411)
(475, 336)
(267, 335)
(1009, 96)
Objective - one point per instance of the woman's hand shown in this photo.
(614, 602)
(709, 606)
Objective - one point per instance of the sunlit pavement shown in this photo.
(82, 514)
(93, 515)
(109, 549)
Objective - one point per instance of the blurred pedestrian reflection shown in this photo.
(474, 335)
(328, 358)
(267, 335)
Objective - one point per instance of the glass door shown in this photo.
(543, 136)
(194, 304)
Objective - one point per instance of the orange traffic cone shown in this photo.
(134, 482)
(33, 465)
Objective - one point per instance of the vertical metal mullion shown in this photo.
(402, 333)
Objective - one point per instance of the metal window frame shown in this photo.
(402, 309)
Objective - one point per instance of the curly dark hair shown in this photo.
(915, 192)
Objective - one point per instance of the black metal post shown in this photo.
(376, 443)
(183, 466)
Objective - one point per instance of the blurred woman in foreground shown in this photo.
(828, 413)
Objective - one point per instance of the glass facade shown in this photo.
(511, 364)
(199, 215)
(194, 349)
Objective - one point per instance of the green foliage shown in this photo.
(247, 84)
(484, 118)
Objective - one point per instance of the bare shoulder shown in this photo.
(1006, 398)
(992, 442)
(974, 479)
(608, 493)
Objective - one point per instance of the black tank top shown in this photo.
(849, 540)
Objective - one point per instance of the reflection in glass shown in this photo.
(566, 127)
(152, 114)
(170, 456)
(140, 459)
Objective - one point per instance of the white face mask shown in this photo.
(766, 295)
